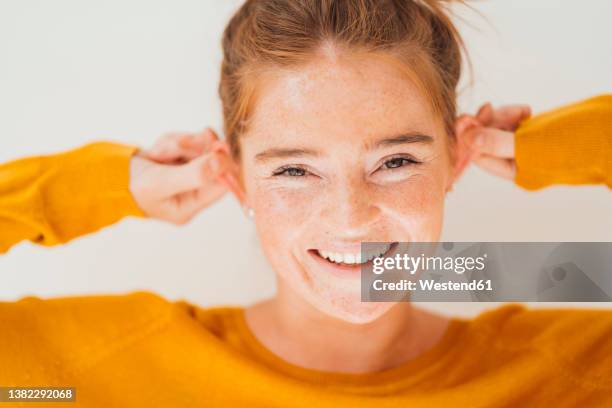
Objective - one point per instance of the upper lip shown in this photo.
(346, 247)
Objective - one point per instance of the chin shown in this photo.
(351, 309)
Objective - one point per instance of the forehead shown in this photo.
(339, 98)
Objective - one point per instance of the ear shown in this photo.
(230, 176)
(464, 154)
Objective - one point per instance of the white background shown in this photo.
(74, 71)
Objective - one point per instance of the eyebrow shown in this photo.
(405, 138)
(401, 139)
(283, 153)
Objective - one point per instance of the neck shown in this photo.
(302, 335)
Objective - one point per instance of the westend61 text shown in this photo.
(431, 285)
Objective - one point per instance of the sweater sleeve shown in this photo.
(568, 145)
(52, 199)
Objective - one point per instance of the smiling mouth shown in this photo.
(353, 259)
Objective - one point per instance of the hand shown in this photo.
(180, 175)
(491, 137)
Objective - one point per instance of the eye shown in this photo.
(290, 171)
(400, 161)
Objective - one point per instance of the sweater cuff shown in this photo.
(86, 189)
(569, 145)
(109, 172)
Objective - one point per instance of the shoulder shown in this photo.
(577, 340)
(220, 321)
(99, 310)
(544, 324)
(72, 331)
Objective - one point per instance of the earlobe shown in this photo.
(231, 183)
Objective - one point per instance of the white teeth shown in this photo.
(353, 258)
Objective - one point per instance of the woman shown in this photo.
(340, 128)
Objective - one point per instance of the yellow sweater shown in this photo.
(140, 350)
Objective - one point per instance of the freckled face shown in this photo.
(339, 152)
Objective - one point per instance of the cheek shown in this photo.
(415, 206)
(281, 214)
(283, 205)
(284, 217)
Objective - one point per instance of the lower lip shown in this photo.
(345, 270)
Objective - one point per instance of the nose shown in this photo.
(351, 209)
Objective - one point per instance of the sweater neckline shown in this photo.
(401, 375)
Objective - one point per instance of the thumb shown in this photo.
(177, 179)
(493, 142)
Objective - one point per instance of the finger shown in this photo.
(526, 112)
(172, 149)
(181, 147)
(183, 207)
(201, 142)
(186, 204)
(485, 114)
(505, 168)
(494, 142)
(199, 172)
(509, 117)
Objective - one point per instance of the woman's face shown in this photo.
(339, 152)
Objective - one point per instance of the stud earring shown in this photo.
(249, 212)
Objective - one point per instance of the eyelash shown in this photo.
(283, 171)
(410, 160)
